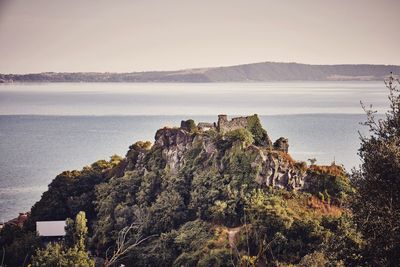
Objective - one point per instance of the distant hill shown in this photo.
(256, 72)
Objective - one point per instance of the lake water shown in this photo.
(190, 99)
(321, 120)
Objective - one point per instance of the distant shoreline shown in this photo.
(256, 72)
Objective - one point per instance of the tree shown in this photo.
(72, 252)
(80, 230)
(76, 231)
(128, 239)
(19, 251)
(376, 203)
(240, 135)
(260, 135)
(312, 161)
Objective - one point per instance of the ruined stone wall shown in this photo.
(236, 123)
(205, 126)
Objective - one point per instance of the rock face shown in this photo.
(176, 146)
(278, 171)
(173, 144)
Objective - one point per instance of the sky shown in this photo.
(144, 35)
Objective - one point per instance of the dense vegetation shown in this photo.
(71, 251)
(197, 198)
(376, 206)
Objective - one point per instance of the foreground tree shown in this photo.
(376, 204)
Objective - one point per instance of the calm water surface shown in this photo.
(190, 98)
(35, 148)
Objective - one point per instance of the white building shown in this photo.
(51, 228)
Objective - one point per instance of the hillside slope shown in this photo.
(212, 194)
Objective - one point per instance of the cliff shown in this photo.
(200, 190)
(268, 166)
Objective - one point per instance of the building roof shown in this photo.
(20, 220)
(51, 228)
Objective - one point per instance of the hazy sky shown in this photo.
(138, 35)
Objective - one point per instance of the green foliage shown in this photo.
(280, 230)
(242, 136)
(18, 246)
(376, 202)
(70, 253)
(69, 193)
(328, 186)
(69, 239)
(115, 160)
(268, 212)
(190, 126)
(155, 160)
(344, 244)
(114, 201)
(56, 255)
(315, 259)
(217, 189)
(259, 134)
(200, 202)
(193, 244)
(146, 145)
(167, 212)
(80, 233)
(52, 255)
(10, 232)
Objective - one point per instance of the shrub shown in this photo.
(241, 135)
(189, 125)
(259, 134)
(328, 182)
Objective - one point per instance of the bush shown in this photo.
(259, 134)
(189, 125)
(239, 135)
(328, 182)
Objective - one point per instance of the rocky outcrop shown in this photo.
(272, 167)
(173, 143)
(278, 169)
(135, 158)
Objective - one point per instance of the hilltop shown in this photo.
(256, 72)
(205, 194)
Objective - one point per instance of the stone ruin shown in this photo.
(205, 126)
(224, 125)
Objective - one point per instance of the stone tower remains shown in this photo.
(224, 125)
